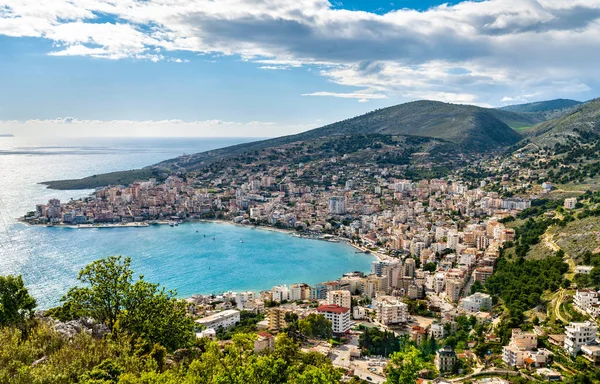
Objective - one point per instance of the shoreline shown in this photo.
(147, 224)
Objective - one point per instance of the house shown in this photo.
(592, 353)
(265, 341)
(445, 358)
(549, 374)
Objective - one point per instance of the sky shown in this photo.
(267, 68)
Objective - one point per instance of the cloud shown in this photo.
(72, 126)
(363, 97)
(504, 48)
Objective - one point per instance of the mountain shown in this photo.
(544, 110)
(576, 126)
(443, 132)
(542, 106)
(6, 135)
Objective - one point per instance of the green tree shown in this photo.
(405, 366)
(142, 309)
(156, 315)
(16, 305)
(108, 282)
(316, 326)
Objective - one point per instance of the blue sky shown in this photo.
(239, 68)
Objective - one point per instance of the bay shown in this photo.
(180, 258)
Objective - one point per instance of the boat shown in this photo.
(241, 241)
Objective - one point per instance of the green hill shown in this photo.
(585, 118)
(543, 106)
(458, 129)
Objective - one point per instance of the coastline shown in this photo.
(147, 224)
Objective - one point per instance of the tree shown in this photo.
(476, 287)
(16, 305)
(156, 315)
(316, 326)
(405, 366)
(142, 309)
(108, 283)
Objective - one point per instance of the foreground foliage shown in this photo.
(143, 309)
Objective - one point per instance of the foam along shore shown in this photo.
(89, 226)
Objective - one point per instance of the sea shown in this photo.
(192, 258)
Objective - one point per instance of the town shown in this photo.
(437, 242)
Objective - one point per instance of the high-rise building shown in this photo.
(341, 298)
(337, 205)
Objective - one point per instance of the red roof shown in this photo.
(333, 308)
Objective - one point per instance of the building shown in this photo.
(583, 269)
(477, 302)
(265, 341)
(523, 340)
(390, 310)
(245, 300)
(453, 288)
(277, 319)
(521, 343)
(445, 359)
(570, 203)
(587, 301)
(578, 335)
(482, 273)
(337, 205)
(299, 292)
(341, 298)
(280, 293)
(225, 319)
(339, 317)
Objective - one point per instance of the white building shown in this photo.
(280, 293)
(588, 301)
(578, 335)
(521, 343)
(341, 298)
(337, 205)
(390, 310)
(477, 302)
(436, 330)
(245, 300)
(339, 317)
(225, 319)
(570, 203)
(584, 269)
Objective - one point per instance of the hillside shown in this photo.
(585, 118)
(466, 129)
(542, 106)
(472, 128)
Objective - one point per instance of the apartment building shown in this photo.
(341, 298)
(390, 310)
(477, 302)
(578, 335)
(225, 319)
(339, 317)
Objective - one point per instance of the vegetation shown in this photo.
(16, 305)
(521, 284)
(142, 309)
(316, 326)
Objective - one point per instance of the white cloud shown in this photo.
(71, 126)
(504, 48)
(363, 97)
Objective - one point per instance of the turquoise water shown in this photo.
(180, 257)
